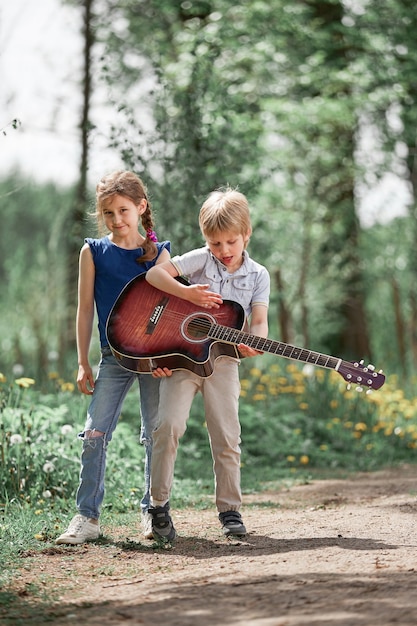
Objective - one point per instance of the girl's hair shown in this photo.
(125, 183)
(225, 210)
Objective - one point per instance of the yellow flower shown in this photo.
(304, 459)
(323, 446)
(361, 426)
(67, 387)
(24, 382)
(303, 405)
(2, 378)
(290, 458)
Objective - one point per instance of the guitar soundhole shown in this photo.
(196, 329)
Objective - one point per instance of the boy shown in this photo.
(222, 269)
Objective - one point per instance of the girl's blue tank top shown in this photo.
(114, 268)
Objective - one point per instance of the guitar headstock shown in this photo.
(356, 372)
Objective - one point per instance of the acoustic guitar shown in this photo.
(148, 328)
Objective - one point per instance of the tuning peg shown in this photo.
(359, 389)
(361, 362)
(348, 386)
(368, 391)
(371, 367)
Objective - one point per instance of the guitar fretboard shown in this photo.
(233, 336)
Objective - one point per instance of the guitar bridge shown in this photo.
(156, 314)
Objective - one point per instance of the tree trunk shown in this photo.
(75, 221)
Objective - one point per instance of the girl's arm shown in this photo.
(162, 276)
(163, 257)
(85, 318)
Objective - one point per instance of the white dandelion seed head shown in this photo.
(16, 439)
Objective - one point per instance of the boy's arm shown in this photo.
(258, 326)
(162, 276)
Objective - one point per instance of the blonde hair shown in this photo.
(128, 184)
(225, 210)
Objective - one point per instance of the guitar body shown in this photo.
(148, 328)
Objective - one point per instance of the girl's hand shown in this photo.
(85, 380)
(247, 351)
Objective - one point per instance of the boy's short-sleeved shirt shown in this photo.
(249, 285)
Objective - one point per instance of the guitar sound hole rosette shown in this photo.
(195, 328)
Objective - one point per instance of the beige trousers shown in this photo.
(221, 403)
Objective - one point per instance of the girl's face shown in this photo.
(121, 217)
(228, 247)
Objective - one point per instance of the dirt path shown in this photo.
(336, 552)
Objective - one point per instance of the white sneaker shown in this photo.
(80, 530)
(147, 525)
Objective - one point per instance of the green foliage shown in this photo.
(295, 422)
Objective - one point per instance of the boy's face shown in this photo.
(227, 247)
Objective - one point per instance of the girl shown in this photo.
(106, 266)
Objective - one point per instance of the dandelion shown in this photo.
(46, 494)
(53, 375)
(16, 439)
(66, 429)
(303, 405)
(24, 383)
(18, 369)
(304, 459)
(309, 370)
(67, 387)
(48, 467)
(361, 426)
(290, 458)
(2, 378)
(258, 397)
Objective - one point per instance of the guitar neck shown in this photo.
(235, 337)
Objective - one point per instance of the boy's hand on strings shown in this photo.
(202, 297)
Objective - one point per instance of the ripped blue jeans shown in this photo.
(111, 386)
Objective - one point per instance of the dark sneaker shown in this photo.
(162, 526)
(232, 524)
